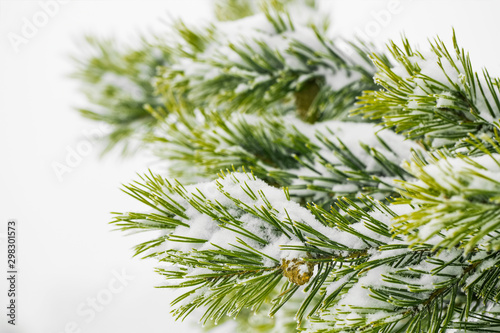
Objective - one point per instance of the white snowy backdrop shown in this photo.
(68, 258)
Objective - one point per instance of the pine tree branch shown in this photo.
(436, 97)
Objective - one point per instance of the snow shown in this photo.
(429, 65)
(257, 31)
(338, 79)
(358, 294)
(229, 193)
(482, 267)
(461, 177)
(441, 70)
(378, 255)
(356, 301)
(333, 286)
(257, 24)
(444, 100)
(125, 84)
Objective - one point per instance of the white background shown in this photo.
(67, 252)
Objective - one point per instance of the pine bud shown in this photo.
(297, 270)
